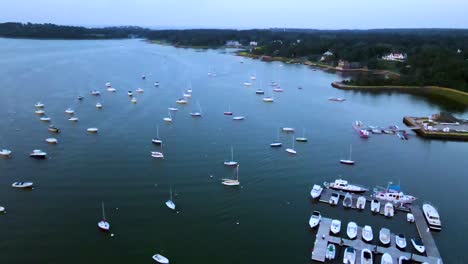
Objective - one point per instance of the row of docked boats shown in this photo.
(365, 131)
(350, 256)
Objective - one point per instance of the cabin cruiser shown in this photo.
(367, 234)
(432, 217)
(22, 185)
(418, 245)
(394, 194)
(160, 259)
(386, 259)
(54, 129)
(349, 256)
(38, 154)
(181, 101)
(315, 219)
(287, 129)
(351, 230)
(334, 199)
(335, 226)
(92, 130)
(389, 211)
(39, 105)
(348, 200)
(343, 185)
(95, 92)
(5, 152)
(361, 203)
(400, 241)
(384, 236)
(316, 191)
(366, 256)
(156, 154)
(331, 252)
(375, 206)
(51, 140)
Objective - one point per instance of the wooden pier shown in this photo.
(323, 238)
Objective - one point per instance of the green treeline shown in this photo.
(436, 57)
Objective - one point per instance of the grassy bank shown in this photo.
(447, 93)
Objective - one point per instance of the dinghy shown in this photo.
(315, 219)
(375, 206)
(361, 203)
(384, 236)
(335, 226)
(348, 200)
(38, 154)
(22, 185)
(400, 241)
(103, 224)
(316, 191)
(51, 140)
(366, 256)
(349, 256)
(160, 259)
(386, 259)
(367, 234)
(351, 230)
(92, 130)
(418, 245)
(331, 252)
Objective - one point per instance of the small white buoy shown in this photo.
(211, 175)
(177, 211)
(112, 235)
(116, 208)
(237, 223)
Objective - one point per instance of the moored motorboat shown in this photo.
(335, 226)
(386, 259)
(367, 234)
(343, 185)
(39, 112)
(331, 252)
(2, 210)
(348, 200)
(51, 140)
(287, 129)
(384, 236)
(139, 90)
(315, 219)
(39, 105)
(349, 256)
(361, 203)
(393, 194)
(22, 185)
(334, 199)
(316, 191)
(98, 105)
(111, 89)
(432, 217)
(181, 101)
(38, 154)
(160, 259)
(95, 92)
(238, 118)
(69, 111)
(418, 245)
(410, 218)
(400, 241)
(389, 211)
(45, 119)
(73, 119)
(92, 130)
(134, 100)
(157, 155)
(53, 129)
(5, 152)
(403, 260)
(366, 256)
(351, 230)
(375, 206)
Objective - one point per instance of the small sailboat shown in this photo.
(303, 138)
(98, 105)
(400, 241)
(168, 119)
(181, 101)
(157, 139)
(361, 203)
(351, 230)
(278, 90)
(160, 259)
(349, 256)
(418, 245)
(157, 155)
(367, 234)
(92, 130)
(375, 206)
(173, 109)
(316, 191)
(315, 219)
(197, 114)
(169, 203)
(230, 182)
(247, 84)
(186, 95)
(348, 161)
(39, 105)
(22, 185)
(5, 152)
(228, 112)
(288, 129)
(335, 226)
(366, 256)
(231, 162)
(139, 90)
(276, 143)
(389, 210)
(73, 119)
(52, 140)
(259, 91)
(291, 150)
(331, 252)
(384, 236)
(134, 100)
(103, 224)
(38, 154)
(69, 111)
(45, 119)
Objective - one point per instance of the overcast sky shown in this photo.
(329, 14)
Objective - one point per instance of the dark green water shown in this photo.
(56, 222)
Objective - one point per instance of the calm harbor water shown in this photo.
(263, 221)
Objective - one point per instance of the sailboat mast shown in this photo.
(237, 172)
(232, 153)
(292, 141)
(350, 151)
(103, 212)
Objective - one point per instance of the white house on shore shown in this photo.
(395, 57)
(253, 43)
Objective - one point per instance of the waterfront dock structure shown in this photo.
(455, 131)
(323, 238)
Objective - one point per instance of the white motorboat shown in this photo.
(287, 129)
(418, 245)
(186, 95)
(45, 119)
(351, 230)
(92, 130)
(95, 92)
(103, 224)
(181, 101)
(367, 234)
(160, 259)
(432, 217)
(53, 129)
(410, 217)
(389, 211)
(348, 200)
(2, 209)
(335, 226)
(349, 256)
(366, 256)
(73, 119)
(38, 154)
(157, 155)
(111, 89)
(156, 84)
(331, 252)
(231, 162)
(231, 182)
(130, 93)
(259, 91)
(139, 90)
(386, 259)
(315, 219)
(134, 100)
(268, 99)
(39, 112)
(278, 90)
(348, 161)
(247, 84)
(343, 185)
(169, 203)
(238, 118)
(22, 185)
(52, 140)
(5, 152)
(69, 111)
(98, 105)
(291, 150)
(173, 109)
(39, 105)
(79, 97)
(108, 84)
(394, 194)
(384, 236)
(361, 203)
(316, 191)
(400, 241)
(253, 78)
(375, 206)
(336, 99)
(334, 199)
